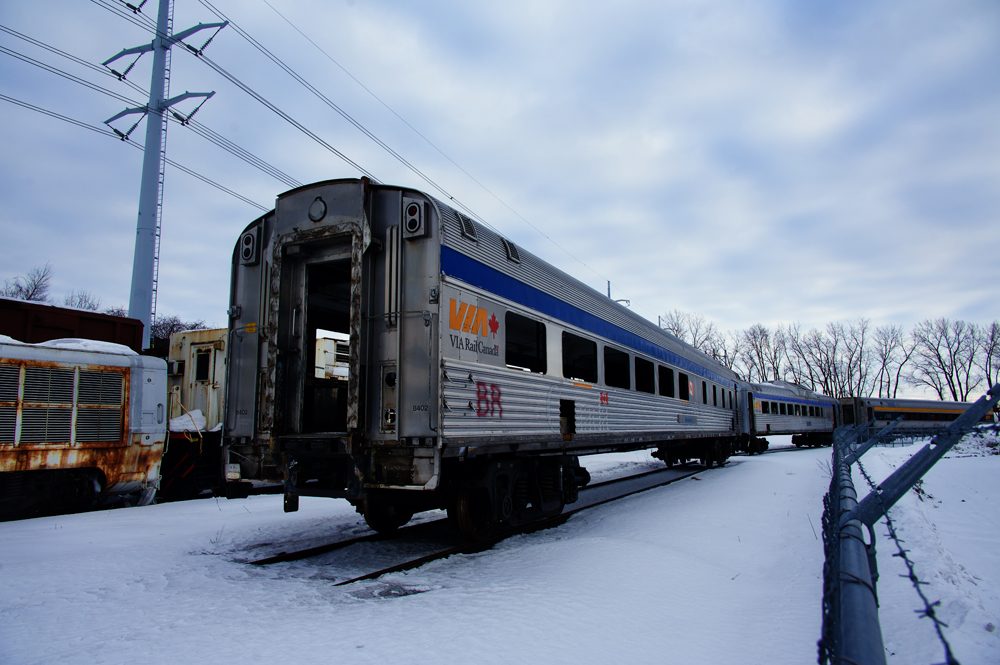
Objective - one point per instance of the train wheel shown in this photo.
(385, 517)
(471, 513)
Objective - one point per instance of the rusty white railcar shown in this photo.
(783, 408)
(474, 377)
(196, 372)
(80, 422)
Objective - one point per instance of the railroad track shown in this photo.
(590, 497)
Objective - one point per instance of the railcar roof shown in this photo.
(488, 249)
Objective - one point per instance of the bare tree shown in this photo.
(797, 359)
(763, 352)
(675, 323)
(117, 310)
(857, 360)
(821, 353)
(164, 326)
(34, 286)
(945, 358)
(989, 353)
(82, 299)
(702, 332)
(892, 351)
(727, 349)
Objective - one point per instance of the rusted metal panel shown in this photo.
(89, 384)
(192, 390)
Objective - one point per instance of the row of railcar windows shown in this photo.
(526, 349)
(782, 409)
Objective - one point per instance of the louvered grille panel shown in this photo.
(8, 418)
(9, 378)
(41, 424)
(43, 384)
(100, 388)
(98, 425)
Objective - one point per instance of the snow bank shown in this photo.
(77, 344)
(951, 527)
(722, 567)
(189, 422)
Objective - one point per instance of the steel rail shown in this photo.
(546, 523)
(423, 526)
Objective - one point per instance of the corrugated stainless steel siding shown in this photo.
(490, 251)
(529, 406)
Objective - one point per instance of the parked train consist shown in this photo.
(785, 408)
(919, 417)
(476, 374)
(80, 421)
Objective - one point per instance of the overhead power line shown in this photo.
(202, 130)
(66, 75)
(344, 114)
(105, 132)
(245, 88)
(69, 56)
(364, 130)
(427, 140)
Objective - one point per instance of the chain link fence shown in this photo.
(851, 631)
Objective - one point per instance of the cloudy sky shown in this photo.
(768, 162)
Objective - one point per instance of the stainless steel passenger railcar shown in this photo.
(919, 417)
(476, 373)
(785, 408)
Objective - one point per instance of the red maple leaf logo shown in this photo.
(494, 325)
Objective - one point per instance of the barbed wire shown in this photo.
(902, 552)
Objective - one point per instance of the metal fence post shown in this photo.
(859, 635)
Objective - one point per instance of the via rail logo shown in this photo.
(473, 321)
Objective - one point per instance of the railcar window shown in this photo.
(579, 358)
(798, 410)
(525, 345)
(202, 364)
(704, 393)
(812, 412)
(774, 407)
(731, 399)
(683, 383)
(645, 381)
(715, 396)
(782, 407)
(666, 381)
(765, 407)
(616, 369)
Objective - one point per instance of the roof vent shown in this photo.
(512, 254)
(468, 228)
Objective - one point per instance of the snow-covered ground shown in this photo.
(722, 567)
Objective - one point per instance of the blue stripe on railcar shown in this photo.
(458, 265)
